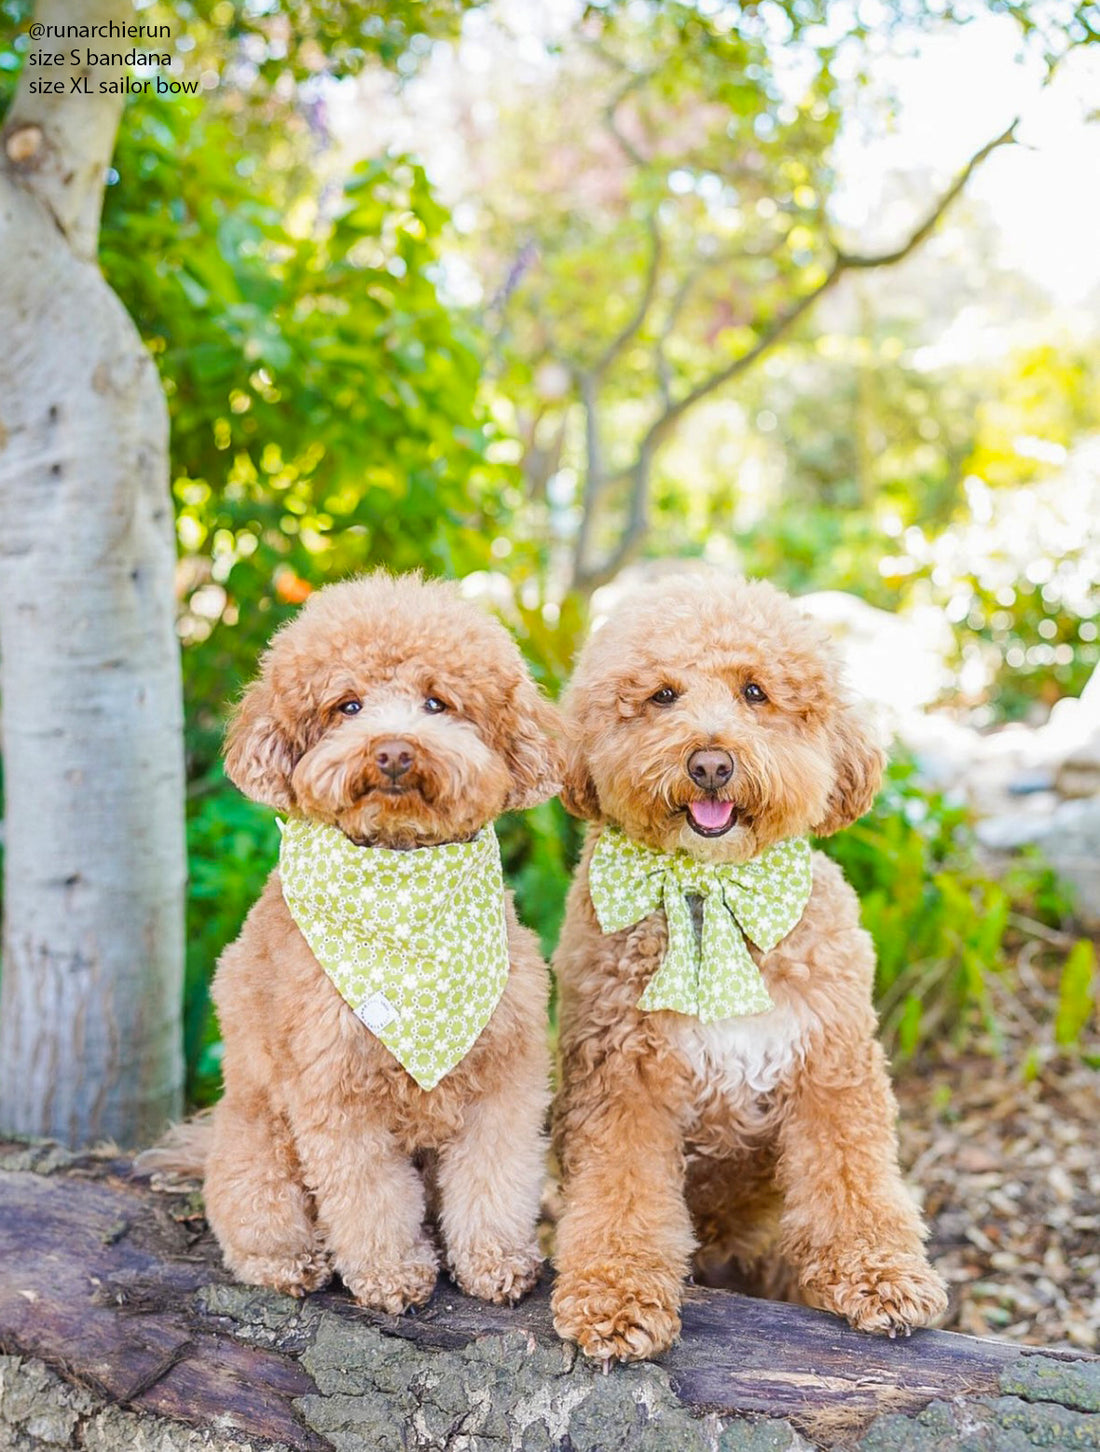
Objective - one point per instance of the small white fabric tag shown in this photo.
(377, 1013)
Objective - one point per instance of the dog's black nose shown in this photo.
(393, 758)
(710, 769)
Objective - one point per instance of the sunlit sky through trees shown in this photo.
(933, 99)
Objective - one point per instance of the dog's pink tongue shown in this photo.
(711, 815)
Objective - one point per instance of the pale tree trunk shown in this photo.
(94, 853)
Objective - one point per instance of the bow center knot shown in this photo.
(712, 975)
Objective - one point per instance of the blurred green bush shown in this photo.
(942, 926)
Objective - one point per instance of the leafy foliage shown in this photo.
(231, 846)
(677, 225)
(971, 489)
(309, 36)
(323, 399)
(941, 926)
(539, 851)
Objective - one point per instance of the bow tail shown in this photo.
(730, 985)
(675, 985)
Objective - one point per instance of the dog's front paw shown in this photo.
(618, 1317)
(496, 1274)
(395, 1286)
(883, 1293)
(293, 1275)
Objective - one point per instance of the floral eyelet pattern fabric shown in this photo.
(416, 942)
(713, 976)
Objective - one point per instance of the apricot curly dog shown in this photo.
(723, 1095)
(392, 722)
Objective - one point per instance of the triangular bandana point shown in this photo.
(415, 942)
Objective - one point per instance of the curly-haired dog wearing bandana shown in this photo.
(724, 1104)
(384, 1014)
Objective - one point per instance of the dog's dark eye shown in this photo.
(350, 708)
(665, 696)
(433, 705)
(753, 693)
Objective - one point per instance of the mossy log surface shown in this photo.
(120, 1330)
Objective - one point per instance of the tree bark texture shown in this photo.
(94, 852)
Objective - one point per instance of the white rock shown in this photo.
(1071, 844)
(1009, 831)
(897, 661)
(1079, 774)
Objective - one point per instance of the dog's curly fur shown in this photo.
(748, 1145)
(325, 1154)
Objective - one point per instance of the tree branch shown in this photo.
(842, 262)
(847, 260)
(588, 578)
(645, 302)
(594, 481)
(635, 80)
(540, 461)
(662, 425)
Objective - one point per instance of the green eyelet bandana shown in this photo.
(416, 942)
(762, 899)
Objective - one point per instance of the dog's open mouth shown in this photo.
(710, 818)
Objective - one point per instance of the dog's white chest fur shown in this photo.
(738, 1054)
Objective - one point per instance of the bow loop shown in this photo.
(710, 974)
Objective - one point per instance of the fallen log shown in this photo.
(117, 1320)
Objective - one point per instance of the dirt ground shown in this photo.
(1004, 1153)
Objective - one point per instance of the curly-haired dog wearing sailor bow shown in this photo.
(384, 1014)
(723, 1100)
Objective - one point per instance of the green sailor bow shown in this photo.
(416, 942)
(712, 976)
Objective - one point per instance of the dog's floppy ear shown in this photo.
(858, 762)
(578, 794)
(259, 755)
(532, 750)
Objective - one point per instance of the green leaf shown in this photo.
(909, 1026)
(1075, 993)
